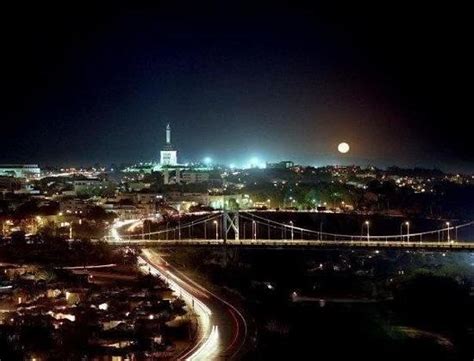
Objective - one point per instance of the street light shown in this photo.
(407, 224)
(254, 228)
(449, 234)
(408, 230)
(367, 224)
(292, 235)
(217, 229)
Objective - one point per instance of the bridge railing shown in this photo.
(211, 227)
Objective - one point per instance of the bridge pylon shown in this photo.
(230, 223)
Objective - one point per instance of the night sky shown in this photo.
(84, 84)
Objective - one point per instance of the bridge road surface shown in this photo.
(303, 243)
(231, 323)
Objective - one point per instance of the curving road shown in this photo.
(223, 329)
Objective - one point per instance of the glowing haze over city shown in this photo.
(264, 81)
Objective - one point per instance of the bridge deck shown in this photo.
(273, 243)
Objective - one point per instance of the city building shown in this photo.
(227, 201)
(194, 176)
(9, 184)
(88, 185)
(140, 197)
(28, 171)
(73, 206)
(285, 164)
(183, 200)
(168, 156)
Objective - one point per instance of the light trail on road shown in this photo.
(114, 234)
(208, 345)
(96, 266)
(222, 327)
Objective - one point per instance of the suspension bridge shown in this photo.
(246, 229)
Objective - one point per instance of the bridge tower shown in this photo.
(230, 223)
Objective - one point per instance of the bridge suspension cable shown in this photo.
(272, 224)
(266, 222)
(181, 226)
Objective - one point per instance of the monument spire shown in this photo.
(168, 134)
(168, 155)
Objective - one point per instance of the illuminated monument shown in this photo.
(168, 156)
(172, 172)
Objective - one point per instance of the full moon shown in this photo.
(343, 147)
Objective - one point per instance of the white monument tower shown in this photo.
(168, 156)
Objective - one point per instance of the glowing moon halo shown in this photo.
(343, 147)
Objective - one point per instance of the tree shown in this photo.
(99, 214)
(433, 301)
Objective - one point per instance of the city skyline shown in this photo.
(248, 159)
(98, 85)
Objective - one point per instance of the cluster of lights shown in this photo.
(253, 162)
